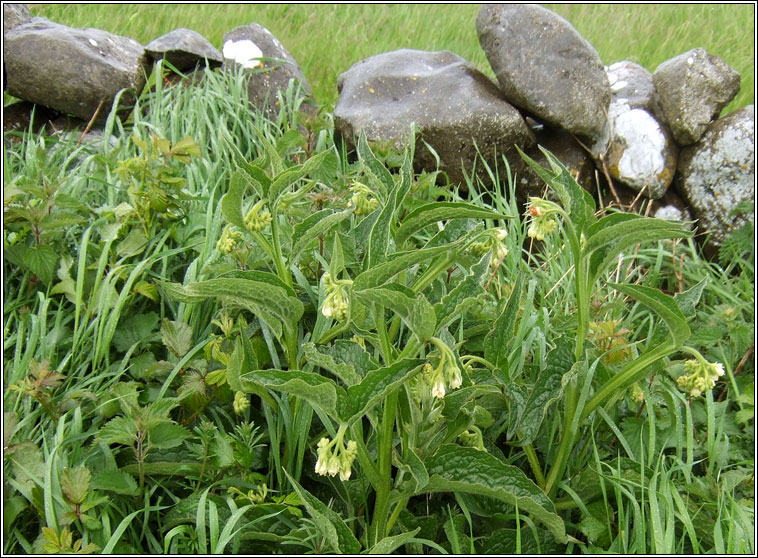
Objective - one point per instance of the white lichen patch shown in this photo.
(618, 85)
(244, 52)
(93, 42)
(642, 164)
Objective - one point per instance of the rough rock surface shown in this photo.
(184, 48)
(634, 83)
(23, 116)
(718, 172)
(13, 15)
(637, 149)
(72, 70)
(244, 47)
(693, 88)
(545, 67)
(454, 106)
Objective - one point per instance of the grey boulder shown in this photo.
(454, 106)
(693, 88)
(184, 48)
(14, 15)
(245, 47)
(73, 70)
(545, 67)
(718, 173)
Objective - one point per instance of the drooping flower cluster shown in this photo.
(241, 402)
(543, 221)
(336, 457)
(257, 218)
(447, 374)
(230, 238)
(337, 302)
(493, 240)
(363, 199)
(701, 376)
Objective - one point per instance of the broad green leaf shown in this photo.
(373, 164)
(461, 469)
(352, 353)
(184, 149)
(466, 291)
(412, 463)
(313, 227)
(120, 430)
(379, 241)
(115, 481)
(41, 259)
(167, 468)
(663, 305)
(342, 370)
(167, 435)
(269, 297)
(256, 178)
(376, 385)
(576, 201)
(456, 399)
(133, 245)
(136, 329)
(504, 542)
(688, 300)
(388, 545)
(75, 484)
(416, 312)
(400, 261)
(262, 277)
(546, 391)
(497, 342)
(430, 213)
(177, 337)
(231, 202)
(338, 536)
(314, 388)
(285, 179)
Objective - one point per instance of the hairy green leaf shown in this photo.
(344, 371)
(497, 342)
(116, 481)
(415, 311)
(389, 544)
(376, 385)
(430, 213)
(313, 227)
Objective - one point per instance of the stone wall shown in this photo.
(629, 136)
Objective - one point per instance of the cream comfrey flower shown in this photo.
(241, 402)
(337, 303)
(363, 199)
(700, 375)
(257, 218)
(230, 238)
(334, 458)
(543, 221)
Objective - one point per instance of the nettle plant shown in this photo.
(381, 318)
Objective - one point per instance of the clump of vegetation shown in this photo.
(244, 340)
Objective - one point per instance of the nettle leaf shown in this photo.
(376, 385)
(41, 259)
(546, 391)
(415, 311)
(272, 298)
(497, 342)
(120, 430)
(115, 481)
(177, 337)
(663, 305)
(166, 435)
(75, 484)
(313, 227)
(314, 388)
(344, 371)
(137, 329)
(425, 215)
(462, 469)
(465, 291)
(338, 536)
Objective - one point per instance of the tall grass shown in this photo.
(326, 39)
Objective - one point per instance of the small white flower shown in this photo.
(438, 388)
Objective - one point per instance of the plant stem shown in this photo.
(384, 458)
(531, 455)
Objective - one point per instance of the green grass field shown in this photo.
(327, 39)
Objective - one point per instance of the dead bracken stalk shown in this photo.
(90, 123)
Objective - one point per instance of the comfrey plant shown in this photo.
(389, 360)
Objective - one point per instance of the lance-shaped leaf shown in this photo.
(288, 177)
(388, 545)
(576, 201)
(663, 305)
(272, 298)
(314, 388)
(338, 536)
(344, 371)
(613, 234)
(375, 166)
(546, 391)
(379, 237)
(415, 310)
(240, 360)
(461, 469)
(231, 202)
(400, 261)
(430, 213)
(467, 290)
(496, 343)
(314, 226)
(376, 385)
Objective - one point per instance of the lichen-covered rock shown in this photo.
(184, 48)
(244, 47)
(634, 83)
(637, 149)
(73, 70)
(545, 67)
(13, 15)
(454, 106)
(693, 88)
(718, 173)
